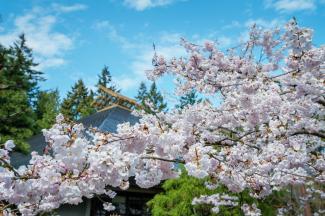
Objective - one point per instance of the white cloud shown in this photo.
(113, 34)
(291, 5)
(167, 37)
(264, 23)
(233, 24)
(47, 44)
(143, 62)
(89, 79)
(49, 62)
(101, 25)
(141, 51)
(224, 41)
(141, 5)
(69, 8)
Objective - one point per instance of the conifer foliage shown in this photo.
(189, 98)
(142, 93)
(151, 101)
(102, 98)
(178, 194)
(47, 108)
(18, 92)
(78, 102)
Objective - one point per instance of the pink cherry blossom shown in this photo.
(267, 133)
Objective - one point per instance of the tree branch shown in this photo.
(163, 159)
(10, 167)
(322, 102)
(315, 133)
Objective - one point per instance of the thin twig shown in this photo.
(10, 167)
(163, 159)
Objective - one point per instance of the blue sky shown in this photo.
(75, 39)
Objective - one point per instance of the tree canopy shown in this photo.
(47, 108)
(189, 98)
(18, 93)
(151, 100)
(264, 136)
(102, 98)
(78, 102)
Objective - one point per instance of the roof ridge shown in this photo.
(113, 106)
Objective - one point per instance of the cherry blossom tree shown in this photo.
(267, 134)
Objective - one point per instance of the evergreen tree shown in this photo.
(27, 77)
(156, 99)
(19, 86)
(78, 102)
(142, 94)
(16, 118)
(188, 99)
(151, 101)
(67, 106)
(178, 194)
(47, 108)
(86, 107)
(103, 99)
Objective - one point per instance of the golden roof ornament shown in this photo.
(116, 99)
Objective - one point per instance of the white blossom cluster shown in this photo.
(266, 134)
(251, 210)
(217, 200)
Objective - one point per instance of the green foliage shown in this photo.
(17, 118)
(188, 99)
(142, 93)
(47, 108)
(152, 97)
(177, 197)
(78, 102)
(176, 200)
(103, 99)
(18, 90)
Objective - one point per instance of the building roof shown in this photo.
(106, 120)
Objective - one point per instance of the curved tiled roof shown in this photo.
(106, 120)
